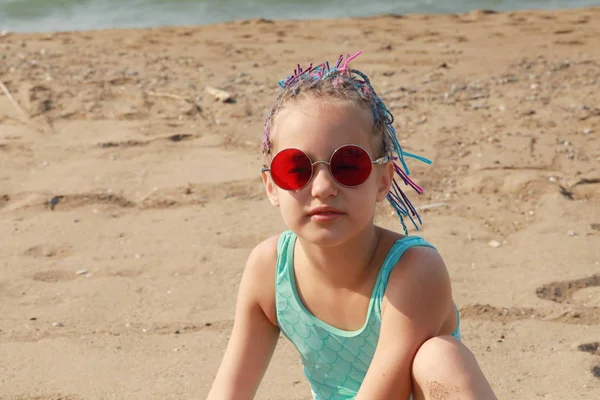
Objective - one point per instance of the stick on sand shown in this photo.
(169, 95)
(12, 100)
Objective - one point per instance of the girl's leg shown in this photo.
(445, 369)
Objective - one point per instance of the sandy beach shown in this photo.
(130, 196)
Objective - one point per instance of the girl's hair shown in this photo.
(340, 82)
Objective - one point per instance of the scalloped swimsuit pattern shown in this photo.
(335, 361)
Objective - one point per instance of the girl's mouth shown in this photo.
(325, 214)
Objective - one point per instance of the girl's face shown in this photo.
(324, 212)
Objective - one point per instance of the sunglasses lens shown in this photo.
(351, 165)
(291, 169)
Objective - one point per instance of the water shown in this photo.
(63, 15)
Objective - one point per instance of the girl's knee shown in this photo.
(444, 364)
(441, 355)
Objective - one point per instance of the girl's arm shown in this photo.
(417, 301)
(254, 333)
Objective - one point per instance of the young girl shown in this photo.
(369, 310)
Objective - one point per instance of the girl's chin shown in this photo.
(325, 235)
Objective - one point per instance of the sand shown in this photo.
(130, 197)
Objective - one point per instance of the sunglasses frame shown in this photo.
(379, 161)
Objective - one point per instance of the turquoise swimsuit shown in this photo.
(335, 361)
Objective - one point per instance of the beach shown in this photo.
(130, 194)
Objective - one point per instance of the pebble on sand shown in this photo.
(220, 95)
(495, 244)
(52, 202)
(58, 324)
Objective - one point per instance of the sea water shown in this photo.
(67, 15)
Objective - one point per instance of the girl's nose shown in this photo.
(323, 184)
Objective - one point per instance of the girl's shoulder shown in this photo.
(267, 249)
(412, 264)
(409, 249)
(420, 270)
(259, 274)
(263, 258)
(418, 258)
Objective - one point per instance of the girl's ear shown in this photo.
(385, 181)
(271, 189)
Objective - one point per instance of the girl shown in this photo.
(369, 310)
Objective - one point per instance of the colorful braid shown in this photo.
(359, 83)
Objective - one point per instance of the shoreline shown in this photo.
(308, 19)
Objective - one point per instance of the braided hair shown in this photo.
(340, 82)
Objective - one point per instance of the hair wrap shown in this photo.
(342, 78)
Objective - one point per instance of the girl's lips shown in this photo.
(325, 216)
(324, 211)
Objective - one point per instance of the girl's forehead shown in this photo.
(323, 125)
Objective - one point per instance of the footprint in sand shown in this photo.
(491, 313)
(48, 251)
(4, 199)
(580, 294)
(53, 276)
(574, 292)
(562, 291)
(577, 293)
(583, 189)
(592, 348)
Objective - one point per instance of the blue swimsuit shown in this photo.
(335, 361)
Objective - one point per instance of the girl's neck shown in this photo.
(346, 265)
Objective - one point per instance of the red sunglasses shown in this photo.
(350, 165)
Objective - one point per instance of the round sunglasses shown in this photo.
(350, 165)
